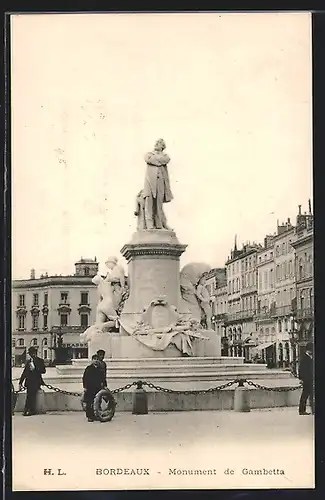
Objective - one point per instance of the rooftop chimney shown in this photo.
(299, 209)
(32, 274)
(309, 205)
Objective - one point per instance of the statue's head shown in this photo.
(160, 145)
(111, 262)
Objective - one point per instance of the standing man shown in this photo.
(102, 364)
(32, 377)
(93, 381)
(156, 189)
(306, 375)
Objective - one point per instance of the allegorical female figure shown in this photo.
(156, 187)
(116, 279)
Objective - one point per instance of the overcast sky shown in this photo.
(230, 94)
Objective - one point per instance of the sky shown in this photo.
(229, 93)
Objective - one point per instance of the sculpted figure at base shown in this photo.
(116, 279)
(156, 190)
(203, 296)
(106, 316)
(140, 211)
(195, 293)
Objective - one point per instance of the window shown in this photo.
(45, 321)
(301, 269)
(283, 248)
(86, 271)
(13, 343)
(35, 322)
(21, 342)
(271, 255)
(45, 353)
(84, 320)
(64, 297)
(46, 299)
(21, 322)
(34, 342)
(64, 320)
(21, 300)
(45, 341)
(84, 298)
(35, 299)
(266, 279)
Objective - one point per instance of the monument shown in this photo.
(155, 325)
(162, 312)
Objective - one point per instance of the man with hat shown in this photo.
(32, 377)
(306, 375)
(93, 381)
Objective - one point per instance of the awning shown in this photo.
(264, 346)
(19, 351)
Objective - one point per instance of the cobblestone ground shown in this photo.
(208, 443)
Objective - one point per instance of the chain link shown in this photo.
(124, 388)
(56, 389)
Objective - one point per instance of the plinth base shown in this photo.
(125, 346)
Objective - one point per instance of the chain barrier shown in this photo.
(68, 393)
(275, 389)
(173, 391)
(203, 391)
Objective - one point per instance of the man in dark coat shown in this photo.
(93, 381)
(306, 375)
(101, 356)
(32, 379)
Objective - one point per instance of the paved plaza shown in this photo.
(165, 445)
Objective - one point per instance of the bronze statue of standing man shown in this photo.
(156, 187)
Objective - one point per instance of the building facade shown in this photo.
(242, 301)
(303, 320)
(265, 321)
(285, 291)
(50, 312)
(266, 308)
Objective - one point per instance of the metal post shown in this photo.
(140, 400)
(241, 397)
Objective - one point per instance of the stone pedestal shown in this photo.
(153, 264)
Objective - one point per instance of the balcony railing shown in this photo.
(305, 313)
(68, 329)
(239, 315)
(219, 317)
(282, 311)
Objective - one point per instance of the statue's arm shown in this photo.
(157, 160)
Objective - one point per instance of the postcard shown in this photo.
(162, 251)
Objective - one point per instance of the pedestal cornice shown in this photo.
(152, 249)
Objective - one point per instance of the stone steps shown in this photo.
(222, 360)
(117, 370)
(191, 378)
